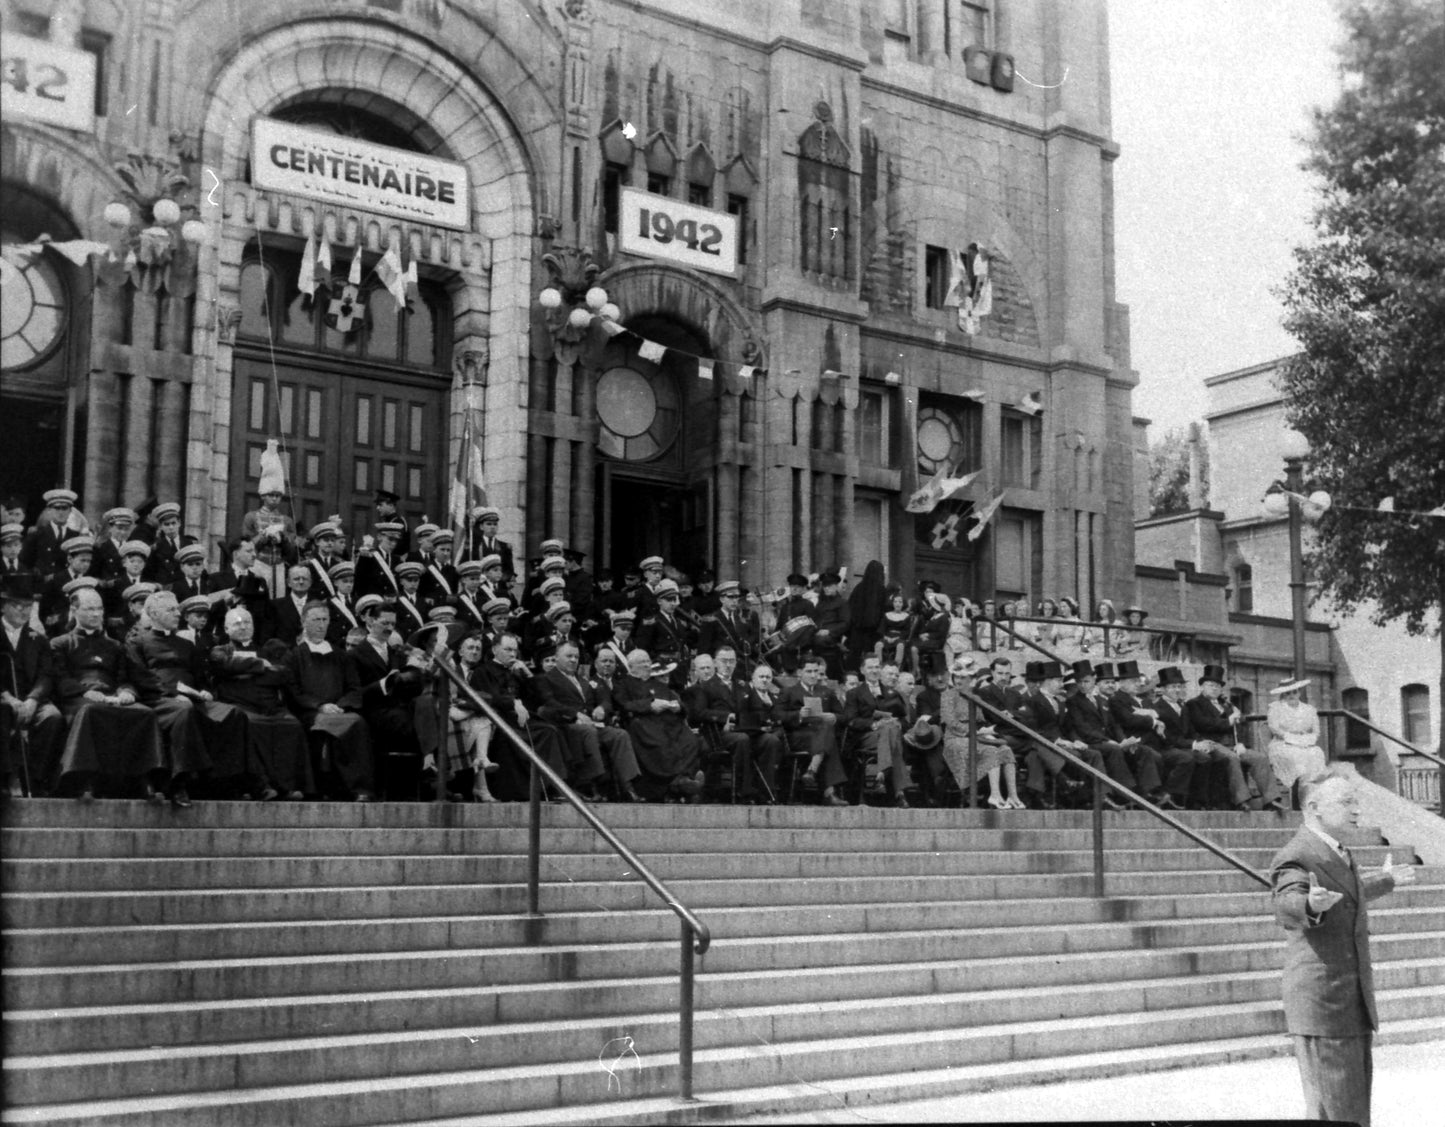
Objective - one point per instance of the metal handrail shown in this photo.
(1030, 642)
(1106, 627)
(695, 935)
(1102, 779)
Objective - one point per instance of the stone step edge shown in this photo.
(877, 1091)
(731, 1103)
(603, 1023)
(636, 945)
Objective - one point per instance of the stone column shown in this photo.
(170, 441)
(102, 454)
(137, 441)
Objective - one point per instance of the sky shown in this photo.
(1210, 103)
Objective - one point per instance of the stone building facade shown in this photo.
(764, 417)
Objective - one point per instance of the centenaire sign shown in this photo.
(324, 166)
(45, 82)
(662, 227)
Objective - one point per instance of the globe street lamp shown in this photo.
(1287, 496)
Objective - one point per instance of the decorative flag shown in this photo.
(983, 516)
(77, 250)
(892, 377)
(468, 488)
(945, 533)
(652, 351)
(323, 258)
(974, 393)
(1032, 403)
(969, 286)
(611, 328)
(393, 277)
(1386, 506)
(353, 277)
(704, 369)
(273, 469)
(1438, 511)
(746, 372)
(937, 488)
(307, 281)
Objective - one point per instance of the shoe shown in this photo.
(1166, 802)
(295, 796)
(831, 799)
(87, 796)
(810, 778)
(488, 766)
(901, 802)
(685, 786)
(998, 803)
(365, 796)
(1277, 806)
(270, 794)
(484, 796)
(630, 795)
(180, 798)
(1112, 803)
(154, 797)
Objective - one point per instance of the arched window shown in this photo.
(1356, 700)
(1415, 715)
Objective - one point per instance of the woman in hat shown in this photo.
(1131, 639)
(930, 629)
(995, 758)
(1294, 725)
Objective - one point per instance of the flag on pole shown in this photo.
(393, 276)
(936, 489)
(353, 277)
(468, 487)
(307, 282)
(983, 516)
(323, 258)
(1386, 506)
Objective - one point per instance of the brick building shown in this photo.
(838, 157)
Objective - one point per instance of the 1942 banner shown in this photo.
(341, 170)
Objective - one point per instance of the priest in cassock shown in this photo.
(325, 694)
(667, 750)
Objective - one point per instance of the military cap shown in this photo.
(572, 555)
(60, 497)
(797, 579)
(190, 552)
(485, 512)
(470, 567)
(442, 612)
(81, 543)
(196, 603)
(728, 587)
(165, 509)
(135, 548)
(443, 536)
(343, 570)
(11, 532)
(425, 529)
(390, 527)
(139, 591)
(386, 495)
(410, 569)
(557, 610)
(81, 583)
(628, 615)
(366, 602)
(556, 583)
(552, 547)
(492, 560)
(120, 513)
(651, 562)
(665, 588)
(496, 606)
(324, 529)
(554, 563)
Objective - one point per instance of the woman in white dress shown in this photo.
(1294, 728)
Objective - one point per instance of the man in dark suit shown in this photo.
(1180, 735)
(439, 580)
(1216, 720)
(756, 720)
(712, 707)
(733, 626)
(326, 549)
(376, 566)
(873, 719)
(483, 541)
(54, 602)
(119, 523)
(666, 636)
(1329, 990)
(390, 682)
(411, 608)
(11, 536)
(42, 551)
(808, 712)
(1134, 718)
(26, 686)
(1042, 709)
(570, 704)
(1092, 723)
(163, 567)
(191, 579)
(287, 611)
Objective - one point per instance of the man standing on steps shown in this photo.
(1329, 990)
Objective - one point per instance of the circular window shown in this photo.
(639, 413)
(940, 440)
(32, 309)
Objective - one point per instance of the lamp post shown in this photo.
(1288, 496)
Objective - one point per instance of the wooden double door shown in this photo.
(343, 436)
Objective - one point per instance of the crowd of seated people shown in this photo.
(296, 672)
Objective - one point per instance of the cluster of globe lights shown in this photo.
(166, 213)
(595, 304)
(1295, 447)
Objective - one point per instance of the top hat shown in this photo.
(19, 587)
(1170, 675)
(1127, 670)
(1043, 670)
(1107, 671)
(1213, 673)
(1084, 668)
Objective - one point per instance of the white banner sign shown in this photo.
(45, 82)
(359, 174)
(662, 227)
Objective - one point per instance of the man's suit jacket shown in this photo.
(1091, 719)
(40, 552)
(1121, 707)
(161, 567)
(710, 702)
(1178, 731)
(30, 664)
(316, 679)
(861, 706)
(561, 700)
(1048, 719)
(1329, 986)
(788, 704)
(375, 575)
(741, 631)
(1210, 722)
(183, 590)
(286, 619)
(754, 714)
(384, 682)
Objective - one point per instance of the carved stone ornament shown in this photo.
(573, 272)
(228, 321)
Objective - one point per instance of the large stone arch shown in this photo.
(490, 266)
(71, 177)
(693, 299)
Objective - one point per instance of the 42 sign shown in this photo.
(45, 82)
(662, 227)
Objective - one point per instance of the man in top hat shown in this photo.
(440, 581)
(482, 539)
(1239, 777)
(1042, 709)
(119, 526)
(54, 600)
(732, 625)
(43, 549)
(325, 554)
(1145, 759)
(162, 567)
(1320, 897)
(1134, 718)
(375, 563)
(1180, 735)
(386, 503)
(27, 684)
(288, 610)
(111, 735)
(1093, 723)
(666, 636)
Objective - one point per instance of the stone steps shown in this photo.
(324, 964)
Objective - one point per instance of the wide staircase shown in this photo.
(320, 964)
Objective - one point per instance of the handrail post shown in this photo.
(1098, 839)
(534, 843)
(684, 1018)
(971, 789)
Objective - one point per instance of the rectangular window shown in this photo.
(413, 482)
(974, 26)
(614, 178)
(97, 43)
(363, 420)
(895, 17)
(1013, 450)
(700, 194)
(253, 461)
(388, 476)
(288, 406)
(1036, 452)
(1415, 709)
(257, 421)
(658, 184)
(935, 276)
(738, 205)
(1244, 589)
(313, 469)
(363, 475)
(313, 413)
(872, 440)
(415, 436)
(388, 423)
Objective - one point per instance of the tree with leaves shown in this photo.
(1366, 300)
(1169, 458)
